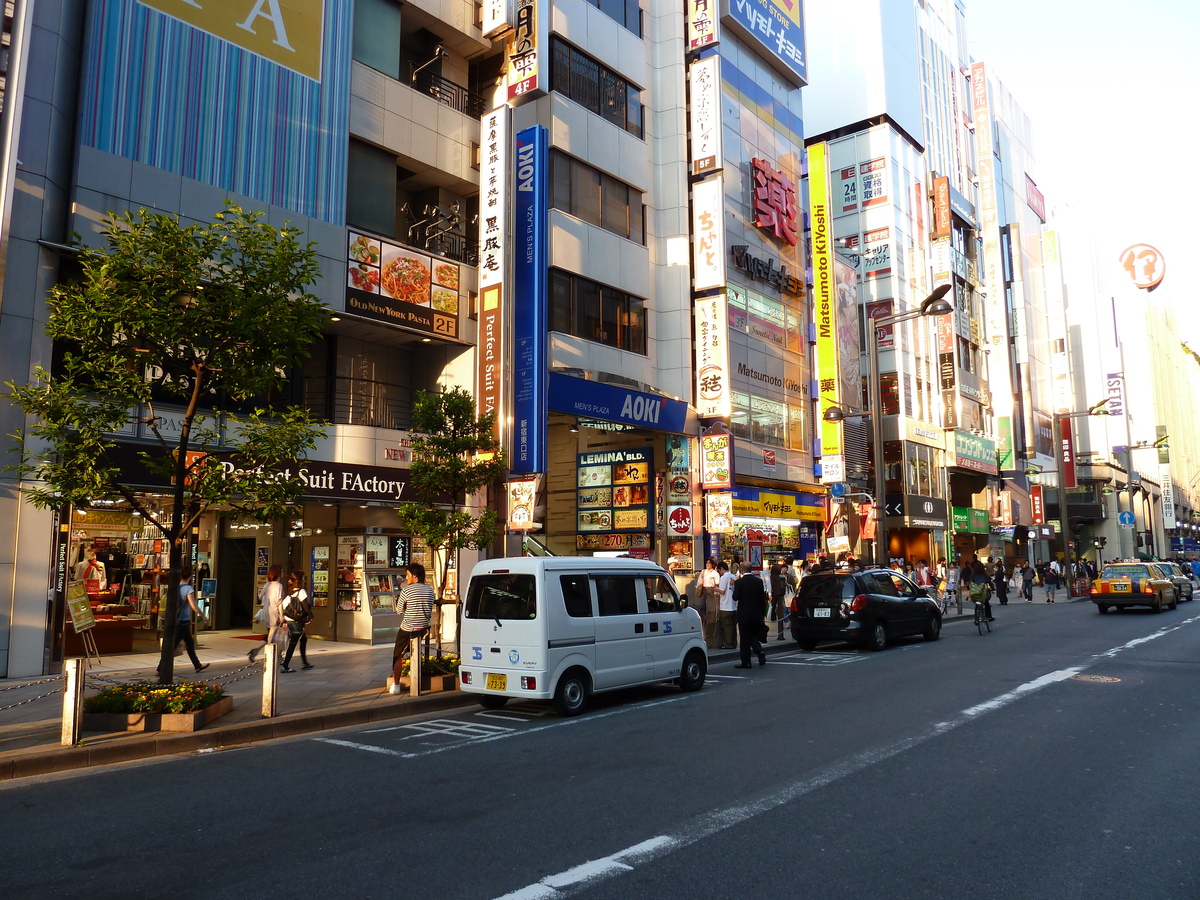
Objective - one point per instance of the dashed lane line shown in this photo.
(588, 874)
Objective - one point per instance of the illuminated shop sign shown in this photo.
(704, 78)
(774, 197)
(777, 26)
(393, 284)
(527, 49)
(530, 231)
(702, 24)
(708, 234)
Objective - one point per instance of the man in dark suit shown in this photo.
(750, 596)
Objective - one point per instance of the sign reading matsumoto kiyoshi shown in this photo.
(775, 25)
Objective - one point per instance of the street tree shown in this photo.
(185, 332)
(455, 454)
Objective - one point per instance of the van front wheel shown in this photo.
(691, 677)
(571, 695)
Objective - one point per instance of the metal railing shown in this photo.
(447, 92)
(345, 400)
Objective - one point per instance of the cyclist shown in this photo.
(981, 589)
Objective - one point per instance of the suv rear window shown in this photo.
(508, 596)
(827, 587)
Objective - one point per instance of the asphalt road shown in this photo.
(1053, 758)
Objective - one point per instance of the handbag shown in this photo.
(261, 617)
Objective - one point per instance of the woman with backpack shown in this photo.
(297, 612)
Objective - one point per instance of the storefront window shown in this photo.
(889, 394)
(739, 420)
(797, 428)
(768, 420)
(795, 330)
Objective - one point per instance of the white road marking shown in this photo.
(555, 887)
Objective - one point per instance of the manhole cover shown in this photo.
(1096, 679)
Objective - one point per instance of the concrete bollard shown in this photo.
(270, 678)
(414, 668)
(72, 718)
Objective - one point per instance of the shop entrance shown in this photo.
(235, 581)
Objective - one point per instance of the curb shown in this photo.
(64, 759)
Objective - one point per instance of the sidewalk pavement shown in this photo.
(345, 687)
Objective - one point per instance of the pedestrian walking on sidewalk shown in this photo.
(415, 607)
(708, 596)
(270, 600)
(728, 612)
(750, 596)
(297, 612)
(187, 609)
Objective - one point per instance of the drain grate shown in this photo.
(1096, 679)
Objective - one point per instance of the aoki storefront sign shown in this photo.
(580, 397)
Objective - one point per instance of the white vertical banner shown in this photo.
(712, 357)
(495, 17)
(493, 231)
(708, 233)
(1168, 496)
(704, 114)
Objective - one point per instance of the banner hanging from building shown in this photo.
(825, 311)
(712, 357)
(708, 234)
(704, 114)
(530, 236)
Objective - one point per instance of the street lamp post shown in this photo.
(933, 305)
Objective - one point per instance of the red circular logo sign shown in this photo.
(680, 520)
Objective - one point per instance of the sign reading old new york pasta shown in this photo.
(393, 284)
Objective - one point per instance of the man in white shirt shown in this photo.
(728, 611)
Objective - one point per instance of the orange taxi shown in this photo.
(1133, 584)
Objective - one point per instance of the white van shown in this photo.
(566, 627)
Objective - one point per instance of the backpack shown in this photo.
(297, 611)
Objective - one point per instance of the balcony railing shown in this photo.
(347, 400)
(452, 95)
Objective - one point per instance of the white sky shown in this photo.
(1112, 89)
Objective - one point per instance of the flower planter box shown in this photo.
(430, 684)
(192, 721)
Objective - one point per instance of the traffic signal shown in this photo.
(1102, 540)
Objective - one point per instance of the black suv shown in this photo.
(871, 607)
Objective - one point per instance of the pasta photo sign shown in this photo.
(392, 284)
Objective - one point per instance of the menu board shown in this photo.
(79, 607)
(393, 284)
(614, 494)
(320, 576)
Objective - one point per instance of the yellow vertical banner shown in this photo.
(825, 309)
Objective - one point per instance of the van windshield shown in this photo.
(509, 596)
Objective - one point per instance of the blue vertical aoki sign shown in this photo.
(530, 328)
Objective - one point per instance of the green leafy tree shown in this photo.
(455, 454)
(201, 319)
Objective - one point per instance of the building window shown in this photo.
(768, 421)
(595, 87)
(624, 12)
(739, 419)
(371, 189)
(596, 312)
(797, 428)
(596, 198)
(377, 35)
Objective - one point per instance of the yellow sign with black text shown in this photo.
(287, 32)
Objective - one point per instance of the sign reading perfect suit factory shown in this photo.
(287, 32)
(529, 301)
(493, 226)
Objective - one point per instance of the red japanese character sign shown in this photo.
(774, 197)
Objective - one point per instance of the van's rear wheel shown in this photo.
(691, 677)
(492, 701)
(571, 695)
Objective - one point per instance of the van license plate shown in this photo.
(821, 612)
(497, 682)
